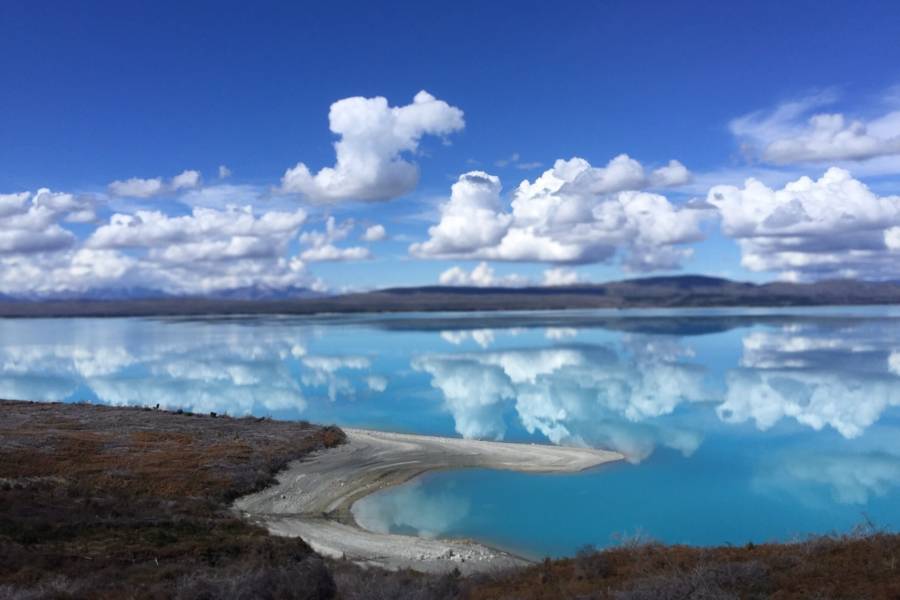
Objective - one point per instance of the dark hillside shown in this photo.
(655, 292)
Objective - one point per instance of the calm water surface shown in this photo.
(738, 425)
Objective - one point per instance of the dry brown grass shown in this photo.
(860, 565)
(99, 502)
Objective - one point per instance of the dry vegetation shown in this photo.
(100, 502)
(860, 565)
(125, 503)
(857, 566)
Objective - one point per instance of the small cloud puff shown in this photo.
(481, 276)
(322, 246)
(137, 187)
(375, 233)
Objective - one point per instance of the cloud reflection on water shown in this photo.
(221, 367)
(585, 395)
(619, 395)
(851, 477)
(630, 391)
(841, 379)
(410, 508)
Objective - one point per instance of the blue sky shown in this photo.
(99, 92)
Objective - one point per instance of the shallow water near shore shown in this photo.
(738, 425)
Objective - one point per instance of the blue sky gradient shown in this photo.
(98, 92)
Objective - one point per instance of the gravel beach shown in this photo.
(314, 496)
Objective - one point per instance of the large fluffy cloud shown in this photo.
(573, 213)
(472, 220)
(370, 154)
(35, 248)
(794, 133)
(213, 248)
(833, 226)
(63, 271)
(207, 250)
(29, 223)
(237, 232)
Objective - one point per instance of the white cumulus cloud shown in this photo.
(137, 187)
(480, 276)
(31, 222)
(833, 226)
(186, 180)
(374, 139)
(574, 213)
(793, 133)
(206, 250)
(560, 276)
(374, 233)
(322, 243)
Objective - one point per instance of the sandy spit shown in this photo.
(313, 497)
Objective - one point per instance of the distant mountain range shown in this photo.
(663, 292)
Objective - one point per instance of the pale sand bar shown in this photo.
(313, 496)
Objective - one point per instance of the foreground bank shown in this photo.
(99, 502)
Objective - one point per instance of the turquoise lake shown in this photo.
(738, 425)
